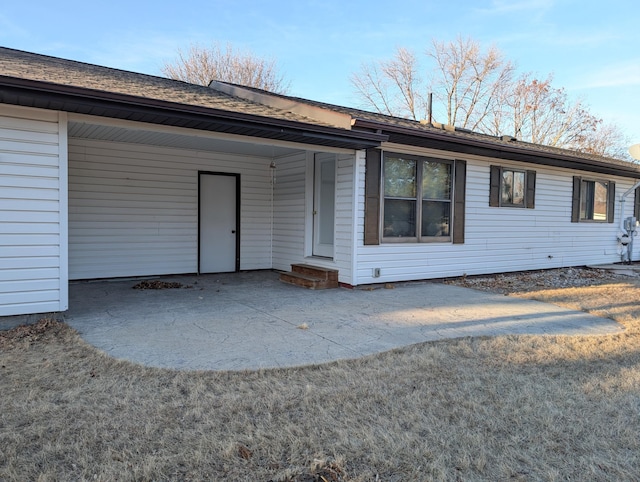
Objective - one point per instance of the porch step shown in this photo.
(311, 277)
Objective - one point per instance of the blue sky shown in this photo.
(591, 47)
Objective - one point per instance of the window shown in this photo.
(593, 200)
(512, 192)
(413, 191)
(512, 188)
(417, 198)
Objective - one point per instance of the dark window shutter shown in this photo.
(575, 200)
(611, 205)
(636, 204)
(459, 190)
(372, 197)
(494, 186)
(531, 190)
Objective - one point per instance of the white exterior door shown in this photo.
(324, 201)
(218, 223)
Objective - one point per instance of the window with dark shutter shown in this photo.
(417, 198)
(412, 198)
(512, 188)
(636, 204)
(593, 200)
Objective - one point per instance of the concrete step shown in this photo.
(326, 274)
(311, 277)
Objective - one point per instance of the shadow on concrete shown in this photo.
(251, 320)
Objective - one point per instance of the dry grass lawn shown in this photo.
(514, 408)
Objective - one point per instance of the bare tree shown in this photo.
(607, 140)
(200, 65)
(392, 87)
(373, 88)
(537, 112)
(477, 89)
(469, 81)
(543, 114)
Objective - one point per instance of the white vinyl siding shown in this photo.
(32, 211)
(289, 207)
(133, 209)
(293, 215)
(500, 240)
(344, 235)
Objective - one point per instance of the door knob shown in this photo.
(233, 231)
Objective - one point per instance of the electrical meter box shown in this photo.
(630, 224)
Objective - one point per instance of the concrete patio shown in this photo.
(251, 320)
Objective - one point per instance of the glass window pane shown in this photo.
(326, 199)
(507, 187)
(435, 218)
(518, 188)
(399, 218)
(586, 199)
(513, 188)
(600, 201)
(399, 177)
(436, 180)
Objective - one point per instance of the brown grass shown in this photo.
(509, 408)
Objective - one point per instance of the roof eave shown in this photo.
(463, 145)
(52, 96)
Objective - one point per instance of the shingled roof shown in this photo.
(25, 65)
(52, 83)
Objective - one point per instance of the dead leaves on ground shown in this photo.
(157, 285)
(30, 334)
(244, 452)
(531, 281)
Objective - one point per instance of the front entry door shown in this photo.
(324, 204)
(218, 208)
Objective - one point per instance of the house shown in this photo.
(106, 174)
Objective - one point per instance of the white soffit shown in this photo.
(86, 130)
